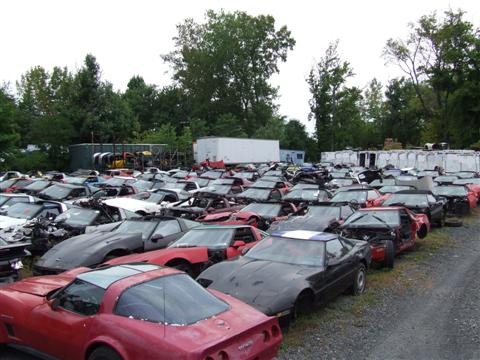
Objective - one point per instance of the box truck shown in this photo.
(236, 150)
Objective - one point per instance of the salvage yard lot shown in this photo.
(318, 335)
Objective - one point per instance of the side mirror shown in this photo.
(54, 304)
(238, 243)
(156, 237)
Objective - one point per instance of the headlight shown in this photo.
(16, 265)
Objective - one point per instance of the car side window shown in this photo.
(244, 234)
(167, 227)
(335, 249)
(81, 297)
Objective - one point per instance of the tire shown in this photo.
(360, 281)
(441, 222)
(104, 353)
(389, 259)
(454, 222)
(422, 232)
(303, 304)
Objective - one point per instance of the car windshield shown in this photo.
(172, 300)
(393, 189)
(264, 210)
(24, 210)
(407, 178)
(446, 178)
(290, 251)
(115, 181)
(212, 174)
(215, 238)
(223, 182)
(342, 182)
(273, 173)
(306, 194)
(409, 200)
(264, 184)
(465, 174)
(75, 180)
(382, 182)
(347, 196)
(450, 191)
(202, 182)
(77, 217)
(368, 218)
(324, 212)
(475, 181)
(245, 175)
(155, 198)
(336, 175)
(38, 185)
(258, 194)
(217, 189)
(6, 184)
(10, 200)
(57, 192)
(131, 226)
(143, 184)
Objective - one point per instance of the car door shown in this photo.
(62, 324)
(338, 263)
(436, 208)
(167, 231)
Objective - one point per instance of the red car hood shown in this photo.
(161, 257)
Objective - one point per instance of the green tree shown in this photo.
(166, 134)
(227, 125)
(273, 129)
(142, 100)
(224, 65)
(330, 98)
(436, 56)
(9, 136)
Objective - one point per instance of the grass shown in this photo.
(350, 309)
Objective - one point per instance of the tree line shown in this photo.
(221, 86)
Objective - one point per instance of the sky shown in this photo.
(129, 37)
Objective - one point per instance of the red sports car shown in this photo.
(389, 230)
(132, 311)
(363, 197)
(200, 248)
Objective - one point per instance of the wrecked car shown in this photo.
(325, 217)
(307, 196)
(360, 197)
(389, 230)
(459, 199)
(200, 248)
(110, 241)
(286, 273)
(11, 260)
(20, 213)
(420, 202)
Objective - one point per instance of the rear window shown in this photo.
(170, 300)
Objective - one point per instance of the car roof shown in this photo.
(305, 235)
(104, 277)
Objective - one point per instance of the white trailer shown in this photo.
(236, 150)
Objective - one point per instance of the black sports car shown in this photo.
(110, 241)
(287, 272)
(420, 202)
(323, 217)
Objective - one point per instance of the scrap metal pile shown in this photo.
(145, 265)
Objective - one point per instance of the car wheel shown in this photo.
(104, 353)
(441, 222)
(303, 304)
(360, 281)
(182, 266)
(389, 259)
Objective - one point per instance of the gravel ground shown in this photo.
(436, 317)
(431, 312)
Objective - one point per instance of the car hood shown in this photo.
(259, 283)
(7, 221)
(41, 285)
(80, 250)
(162, 256)
(302, 223)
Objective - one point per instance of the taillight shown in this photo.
(266, 336)
(222, 355)
(275, 331)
